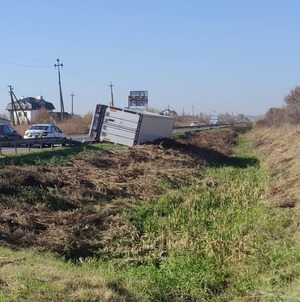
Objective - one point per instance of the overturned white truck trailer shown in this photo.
(128, 126)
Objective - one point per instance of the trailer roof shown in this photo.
(147, 113)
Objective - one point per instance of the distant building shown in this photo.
(26, 109)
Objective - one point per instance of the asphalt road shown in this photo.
(80, 138)
(86, 138)
(24, 148)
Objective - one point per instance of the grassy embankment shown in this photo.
(217, 237)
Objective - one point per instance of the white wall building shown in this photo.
(27, 108)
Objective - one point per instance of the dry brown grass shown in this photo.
(280, 148)
(75, 125)
(21, 128)
(77, 209)
(71, 126)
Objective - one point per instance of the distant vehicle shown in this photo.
(44, 131)
(8, 133)
(214, 120)
(194, 124)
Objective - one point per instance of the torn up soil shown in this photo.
(78, 209)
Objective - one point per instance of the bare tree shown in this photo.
(43, 116)
(292, 101)
(4, 116)
(226, 118)
(276, 116)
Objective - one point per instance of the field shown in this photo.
(196, 218)
(73, 209)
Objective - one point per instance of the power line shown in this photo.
(25, 65)
(14, 60)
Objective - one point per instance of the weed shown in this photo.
(212, 237)
(52, 157)
(215, 242)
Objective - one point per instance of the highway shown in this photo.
(21, 147)
(36, 144)
(198, 128)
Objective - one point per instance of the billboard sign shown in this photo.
(138, 99)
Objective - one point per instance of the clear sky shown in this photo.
(227, 56)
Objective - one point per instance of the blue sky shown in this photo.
(227, 56)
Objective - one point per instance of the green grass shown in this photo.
(26, 276)
(215, 238)
(52, 156)
(183, 135)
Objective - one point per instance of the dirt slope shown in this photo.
(77, 209)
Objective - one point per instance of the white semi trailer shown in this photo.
(129, 126)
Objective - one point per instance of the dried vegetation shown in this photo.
(77, 209)
(280, 149)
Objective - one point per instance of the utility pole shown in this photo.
(21, 109)
(72, 97)
(62, 109)
(111, 93)
(12, 117)
(15, 109)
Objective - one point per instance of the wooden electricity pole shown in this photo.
(13, 108)
(72, 99)
(111, 93)
(62, 108)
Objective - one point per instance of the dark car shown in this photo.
(8, 133)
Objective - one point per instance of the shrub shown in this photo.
(75, 125)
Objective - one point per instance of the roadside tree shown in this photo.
(292, 105)
(276, 116)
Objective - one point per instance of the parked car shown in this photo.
(8, 133)
(44, 131)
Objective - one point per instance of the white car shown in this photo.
(44, 131)
(194, 124)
